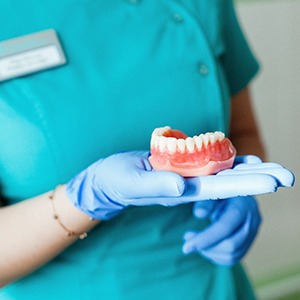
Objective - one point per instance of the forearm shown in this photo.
(244, 131)
(249, 143)
(30, 236)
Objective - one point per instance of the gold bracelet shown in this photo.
(70, 233)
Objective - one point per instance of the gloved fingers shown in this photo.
(128, 175)
(156, 184)
(284, 177)
(219, 210)
(226, 226)
(229, 258)
(235, 216)
(149, 201)
(204, 209)
(237, 241)
(230, 250)
(219, 187)
(171, 185)
(189, 235)
(258, 166)
(247, 159)
(226, 259)
(241, 217)
(164, 201)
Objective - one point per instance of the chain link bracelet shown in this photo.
(69, 233)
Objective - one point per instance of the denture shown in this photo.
(205, 154)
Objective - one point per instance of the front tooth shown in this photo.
(198, 142)
(162, 144)
(190, 144)
(171, 144)
(205, 139)
(181, 145)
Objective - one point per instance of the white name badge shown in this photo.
(29, 54)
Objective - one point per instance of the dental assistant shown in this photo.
(86, 83)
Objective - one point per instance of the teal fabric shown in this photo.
(132, 66)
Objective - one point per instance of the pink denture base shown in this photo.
(212, 167)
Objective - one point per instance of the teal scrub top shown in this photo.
(131, 66)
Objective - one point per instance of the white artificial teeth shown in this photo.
(220, 135)
(156, 141)
(198, 142)
(152, 140)
(171, 144)
(205, 139)
(181, 145)
(190, 144)
(211, 137)
(162, 145)
(160, 131)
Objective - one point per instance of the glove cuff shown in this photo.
(82, 192)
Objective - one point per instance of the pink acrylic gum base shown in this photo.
(212, 167)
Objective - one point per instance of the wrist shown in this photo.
(72, 221)
(85, 193)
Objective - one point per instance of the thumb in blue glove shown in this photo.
(234, 225)
(109, 185)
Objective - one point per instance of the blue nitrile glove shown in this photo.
(248, 177)
(235, 220)
(234, 225)
(109, 185)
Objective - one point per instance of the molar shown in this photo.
(160, 131)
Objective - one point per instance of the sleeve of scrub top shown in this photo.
(239, 62)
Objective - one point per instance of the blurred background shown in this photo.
(273, 30)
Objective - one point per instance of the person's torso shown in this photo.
(131, 66)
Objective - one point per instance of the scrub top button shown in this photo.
(203, 69)
(177, 18)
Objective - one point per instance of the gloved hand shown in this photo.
(109, 185)
(234, 225)
(248, 177)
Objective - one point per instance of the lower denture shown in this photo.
(210, 154)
